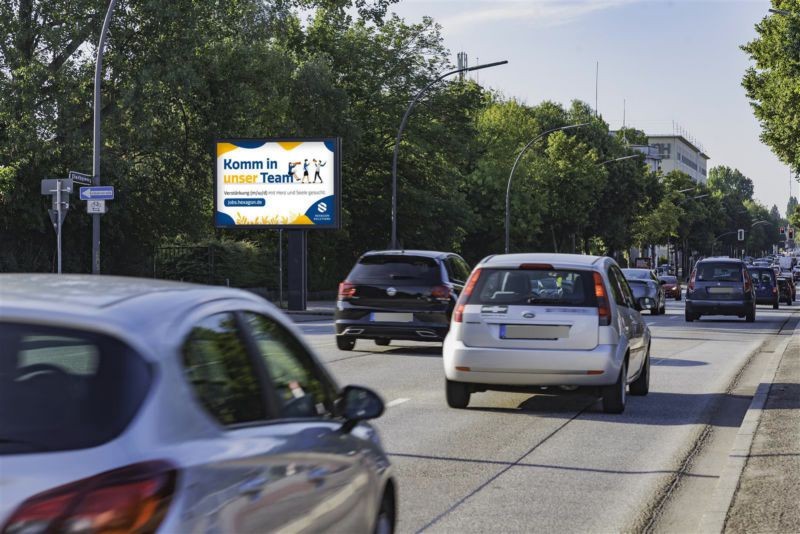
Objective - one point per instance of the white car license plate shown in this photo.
(379, 317)
(533, 331)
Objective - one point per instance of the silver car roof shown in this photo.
(109, 303)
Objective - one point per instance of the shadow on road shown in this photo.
(542, 466)
(657, 408)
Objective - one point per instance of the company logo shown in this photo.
(391, 291)
(494, 309)
(322, 207)
(529, 315)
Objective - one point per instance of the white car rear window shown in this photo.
(562, 287)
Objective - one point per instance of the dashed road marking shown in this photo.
(396, 402)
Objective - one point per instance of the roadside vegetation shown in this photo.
(180, 74)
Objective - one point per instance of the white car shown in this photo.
(530, 320)
(131, 405)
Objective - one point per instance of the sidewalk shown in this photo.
(759, 490)
(315, 309)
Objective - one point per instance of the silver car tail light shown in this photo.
(134, 498)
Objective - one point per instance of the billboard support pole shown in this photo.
(280, 268)
(298, 270)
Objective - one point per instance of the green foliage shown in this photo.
(180, 74)
(772, 82)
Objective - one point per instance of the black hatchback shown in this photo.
(399, 294)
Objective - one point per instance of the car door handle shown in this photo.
(252, 486)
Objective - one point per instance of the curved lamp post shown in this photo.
(514, 167)
(96, 143)
(403, 125)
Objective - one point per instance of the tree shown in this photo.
(790, 206)
(771, 83)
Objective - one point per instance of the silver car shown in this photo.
(529, 320)
(142, 405)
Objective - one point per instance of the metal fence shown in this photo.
(185, 264)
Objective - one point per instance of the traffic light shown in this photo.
(791, 233)
(740, 234)
(783, 230)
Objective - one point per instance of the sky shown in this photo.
(661, 63)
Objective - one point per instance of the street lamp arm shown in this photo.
(403, 125)
(514, 167)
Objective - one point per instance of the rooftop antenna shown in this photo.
(462, 64)
(596, 82)
(624, 133)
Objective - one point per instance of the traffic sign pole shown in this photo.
(58, 222)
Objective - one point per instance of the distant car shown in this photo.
(529, 320)
(787, 289)
(720, 286)
(130, 405)
(766, 286)
(645, 284)
(672, 286)
(399, 294)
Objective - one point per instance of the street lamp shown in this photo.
(784, 12)
(98, 77)
(513, 168)
(403, 125)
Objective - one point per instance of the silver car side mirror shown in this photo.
(358, 403)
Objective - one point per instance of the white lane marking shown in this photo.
(396, 402)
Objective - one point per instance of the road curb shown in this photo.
(713, 521)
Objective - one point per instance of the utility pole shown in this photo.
(98, 77)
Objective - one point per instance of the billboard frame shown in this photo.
(337, 183)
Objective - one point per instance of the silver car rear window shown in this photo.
(561, 287)
(64, 389)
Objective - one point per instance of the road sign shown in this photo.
(98, 192)
(54, 217)
(95, 206)
(80, 178)
(50, 185)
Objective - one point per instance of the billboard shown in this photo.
(277, 183)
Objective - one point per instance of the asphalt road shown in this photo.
(554, 462)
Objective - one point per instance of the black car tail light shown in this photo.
(441, 293)
(347, 290)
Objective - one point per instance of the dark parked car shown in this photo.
(786, 289)
(644, 283)
(765, 285)
(394, 294)
(720, 286)
(672, 287)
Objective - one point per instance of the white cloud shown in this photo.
(541, 13)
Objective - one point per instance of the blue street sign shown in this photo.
(98, 192)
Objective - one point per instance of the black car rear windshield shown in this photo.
(563, 287)
(670, 279)
(763, 276)
(63, 389)
(718, 272)
(396, 269)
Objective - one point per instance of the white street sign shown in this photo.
(95, 206)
